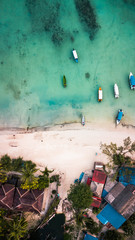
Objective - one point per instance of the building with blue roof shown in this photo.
(89, 237)
(110, 215)
(127, 176)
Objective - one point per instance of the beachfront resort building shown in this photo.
(121, 205)
(117, 198)
(18, 199)
(97, 185)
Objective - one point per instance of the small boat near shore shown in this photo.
(64, 81)
(119, 116)
(132, 81)
(83, 120)
(116, 91)
(100, 94)
(75, 55)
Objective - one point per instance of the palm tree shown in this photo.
(3, 176)
(46, 172)
(28, 177)
(18, 229)
(43, 181)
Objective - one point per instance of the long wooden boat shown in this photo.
(132, 81)
(100, 94)
(119, 116)
(64, 81)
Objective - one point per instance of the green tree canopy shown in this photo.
(6, 162)
(67, 236)
(92, 226)
(80, 196)
(127, 228)
(17, 164)
(119, 156)
(3, 225)
(18, 228)
(113, 235)
(43, 180)
(132, 218)
(3, 176)
(29, 181)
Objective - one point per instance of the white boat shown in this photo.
(132, 81)
(75, 55)
(116, 91)
(100, 94)
(83, 120)
(119, 116)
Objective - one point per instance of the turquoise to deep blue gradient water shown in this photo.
(36, 40)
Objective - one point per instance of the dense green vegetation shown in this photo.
(29, 181)
(80, 196)
(128, 226)
(14, 228)
(67, 236)
(92, 226)
(96, 210)
(43, 180)
(119, 156)
(27, 170)
(9, 164)
(112, 235)
(3, 176)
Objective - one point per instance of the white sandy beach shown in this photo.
(68, 149)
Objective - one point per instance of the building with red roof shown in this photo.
(96, 202)
(99, 177)
(97, 183)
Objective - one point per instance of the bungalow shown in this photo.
(19, 199)
(98, 181)
(110, 215)
(109, 184)
(121, 205)
(89, 237)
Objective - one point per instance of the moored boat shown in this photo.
(75, 55)
(64, 81)
(119, 116)
(100, 94)
(116, 91)
(132, 81)
(83, 120)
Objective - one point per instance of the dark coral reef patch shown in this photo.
(45, 18)
(87, 17)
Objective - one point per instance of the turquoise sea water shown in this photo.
(36, 40)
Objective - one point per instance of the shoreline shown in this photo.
(62, 127)
(68, 149)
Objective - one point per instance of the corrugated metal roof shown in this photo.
(99, 176)
(115, 191)
(111, 216)
(109, 184)
(125, 202)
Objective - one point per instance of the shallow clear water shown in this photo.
(36, 40)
